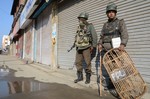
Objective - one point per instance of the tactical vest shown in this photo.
(111, 30)
(82, 38)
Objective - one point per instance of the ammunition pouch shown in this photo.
(83, 39)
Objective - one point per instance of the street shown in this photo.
(23, 81)
(74, 49)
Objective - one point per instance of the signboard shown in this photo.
(27, 11)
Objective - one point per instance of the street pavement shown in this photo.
(19, 80)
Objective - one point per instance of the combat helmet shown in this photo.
(111, 7)
(83, 15)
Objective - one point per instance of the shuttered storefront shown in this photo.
(43, 41)
(28, 43)
(14, 49)
(138, 23)
(38, 40)
(68, 12)
(20, 47)
(136, 14)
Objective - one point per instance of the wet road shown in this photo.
(12, 87)
(27, 88)
(36, 90)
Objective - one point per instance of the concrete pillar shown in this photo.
(54, 35)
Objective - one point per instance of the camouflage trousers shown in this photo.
(83, 55)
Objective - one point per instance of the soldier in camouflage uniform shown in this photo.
(85, 42)
(111, 29)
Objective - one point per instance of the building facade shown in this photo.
(5, 41)
(15, 35)
(49, 29)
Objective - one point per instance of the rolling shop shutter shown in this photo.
(136, 14)
(28, 43)
(43, 31)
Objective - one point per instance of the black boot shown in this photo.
(80, 77)
(88, 76)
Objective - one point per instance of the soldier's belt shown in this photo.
(109, 34)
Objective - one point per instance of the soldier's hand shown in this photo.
(100, 47)
(121, 47)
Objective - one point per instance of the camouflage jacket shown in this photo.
(112, 29)
(90, 30)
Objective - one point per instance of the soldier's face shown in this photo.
(111, 14)
(82, 20)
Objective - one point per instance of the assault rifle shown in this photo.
(71, 47)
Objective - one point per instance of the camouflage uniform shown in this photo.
(111, 29)
(84, 53)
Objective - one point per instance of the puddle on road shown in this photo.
(30, 89)
(14, 85)
(26, 86)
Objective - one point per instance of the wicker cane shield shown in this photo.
(123, 74)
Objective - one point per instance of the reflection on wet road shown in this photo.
(36, 90)
(12, 87)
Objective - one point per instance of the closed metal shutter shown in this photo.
(137, 17)
(28, 43)
(46, 38)
(66, 32)
(43, 30)
(20, 47)
(38, 39)
(135, 13)
(68, 12)
(14, 49)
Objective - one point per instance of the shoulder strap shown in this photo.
(105, 24)
(119, 23)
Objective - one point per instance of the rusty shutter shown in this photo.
(28, 43)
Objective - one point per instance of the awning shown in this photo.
(28, 10)
(38, 12)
